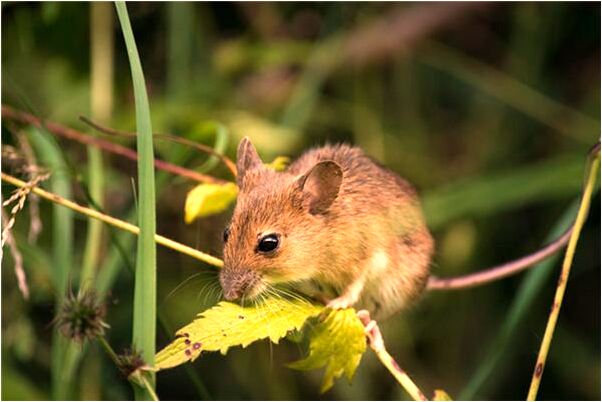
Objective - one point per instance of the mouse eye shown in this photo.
(226, 234)
(268, 243)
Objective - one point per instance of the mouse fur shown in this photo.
(346, 227)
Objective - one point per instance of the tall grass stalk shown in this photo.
(101, 102)
(49, 154)
(500, 350)
(145, 292)
(510, 91)
(564, 275)
(180, 36)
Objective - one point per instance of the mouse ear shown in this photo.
(320, 186)
(246, 159)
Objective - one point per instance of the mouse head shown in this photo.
(279, 226)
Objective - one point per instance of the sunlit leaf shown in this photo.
(337, 342)
(279, 164)
(441, 395)
(229, 324)
(208, 199)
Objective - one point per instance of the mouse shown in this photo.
(336, 225)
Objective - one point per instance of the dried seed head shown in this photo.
(81, 316)
(132, 366)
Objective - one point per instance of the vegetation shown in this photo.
(490, 110)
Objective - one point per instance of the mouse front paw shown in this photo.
(340, 303)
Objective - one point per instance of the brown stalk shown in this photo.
(169, 137)
(71, 134)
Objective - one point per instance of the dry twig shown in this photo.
(69, 133)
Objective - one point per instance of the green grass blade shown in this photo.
(551, 179)
(101, 38)
(510, 91)
(50, 155)
(307, 92)
(145, 296)
(180, 36)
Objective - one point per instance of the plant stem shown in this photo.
(149, 388)
(169, 137)
(377, 344)
(69, 133)
(564, 276)
(101, 103)
(118, 223)
(107, 348)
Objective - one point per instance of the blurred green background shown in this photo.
(489, 109)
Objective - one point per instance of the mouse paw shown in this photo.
(369, 323)
(340, 303)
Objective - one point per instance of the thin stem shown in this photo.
(164, 241)
(169, 137)
(562, 281)
(149, 388)
(71, 134)
(107, 348)
(377, 344)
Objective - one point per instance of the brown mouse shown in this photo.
(335, 223)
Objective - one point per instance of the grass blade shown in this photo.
(101, 39)
(145, 296)
(50, 155)
(554, 178)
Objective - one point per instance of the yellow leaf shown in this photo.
(229, 324)
(208, 199)
(337, 342)
(441, 395)
(279, 164)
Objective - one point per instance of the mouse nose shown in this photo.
(234, 284)
(231, 294)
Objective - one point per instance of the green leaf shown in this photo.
(208, 199)
(337, 342)
(279, 164)
(228, 324)
(441, 395)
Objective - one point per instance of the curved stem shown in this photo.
(118, 223)
(377, 344)
(69, 133)
(149, 389)
(169, 137)
(562, 281)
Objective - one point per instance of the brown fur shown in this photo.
(370, 232)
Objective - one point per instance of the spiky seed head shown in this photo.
(81, 316)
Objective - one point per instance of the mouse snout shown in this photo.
(236, 283)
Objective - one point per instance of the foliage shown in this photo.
(337, 338)
(208, 199)
(479, 107)
(338, 342)
(441, 395)
(145, 287)
(229, 324)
